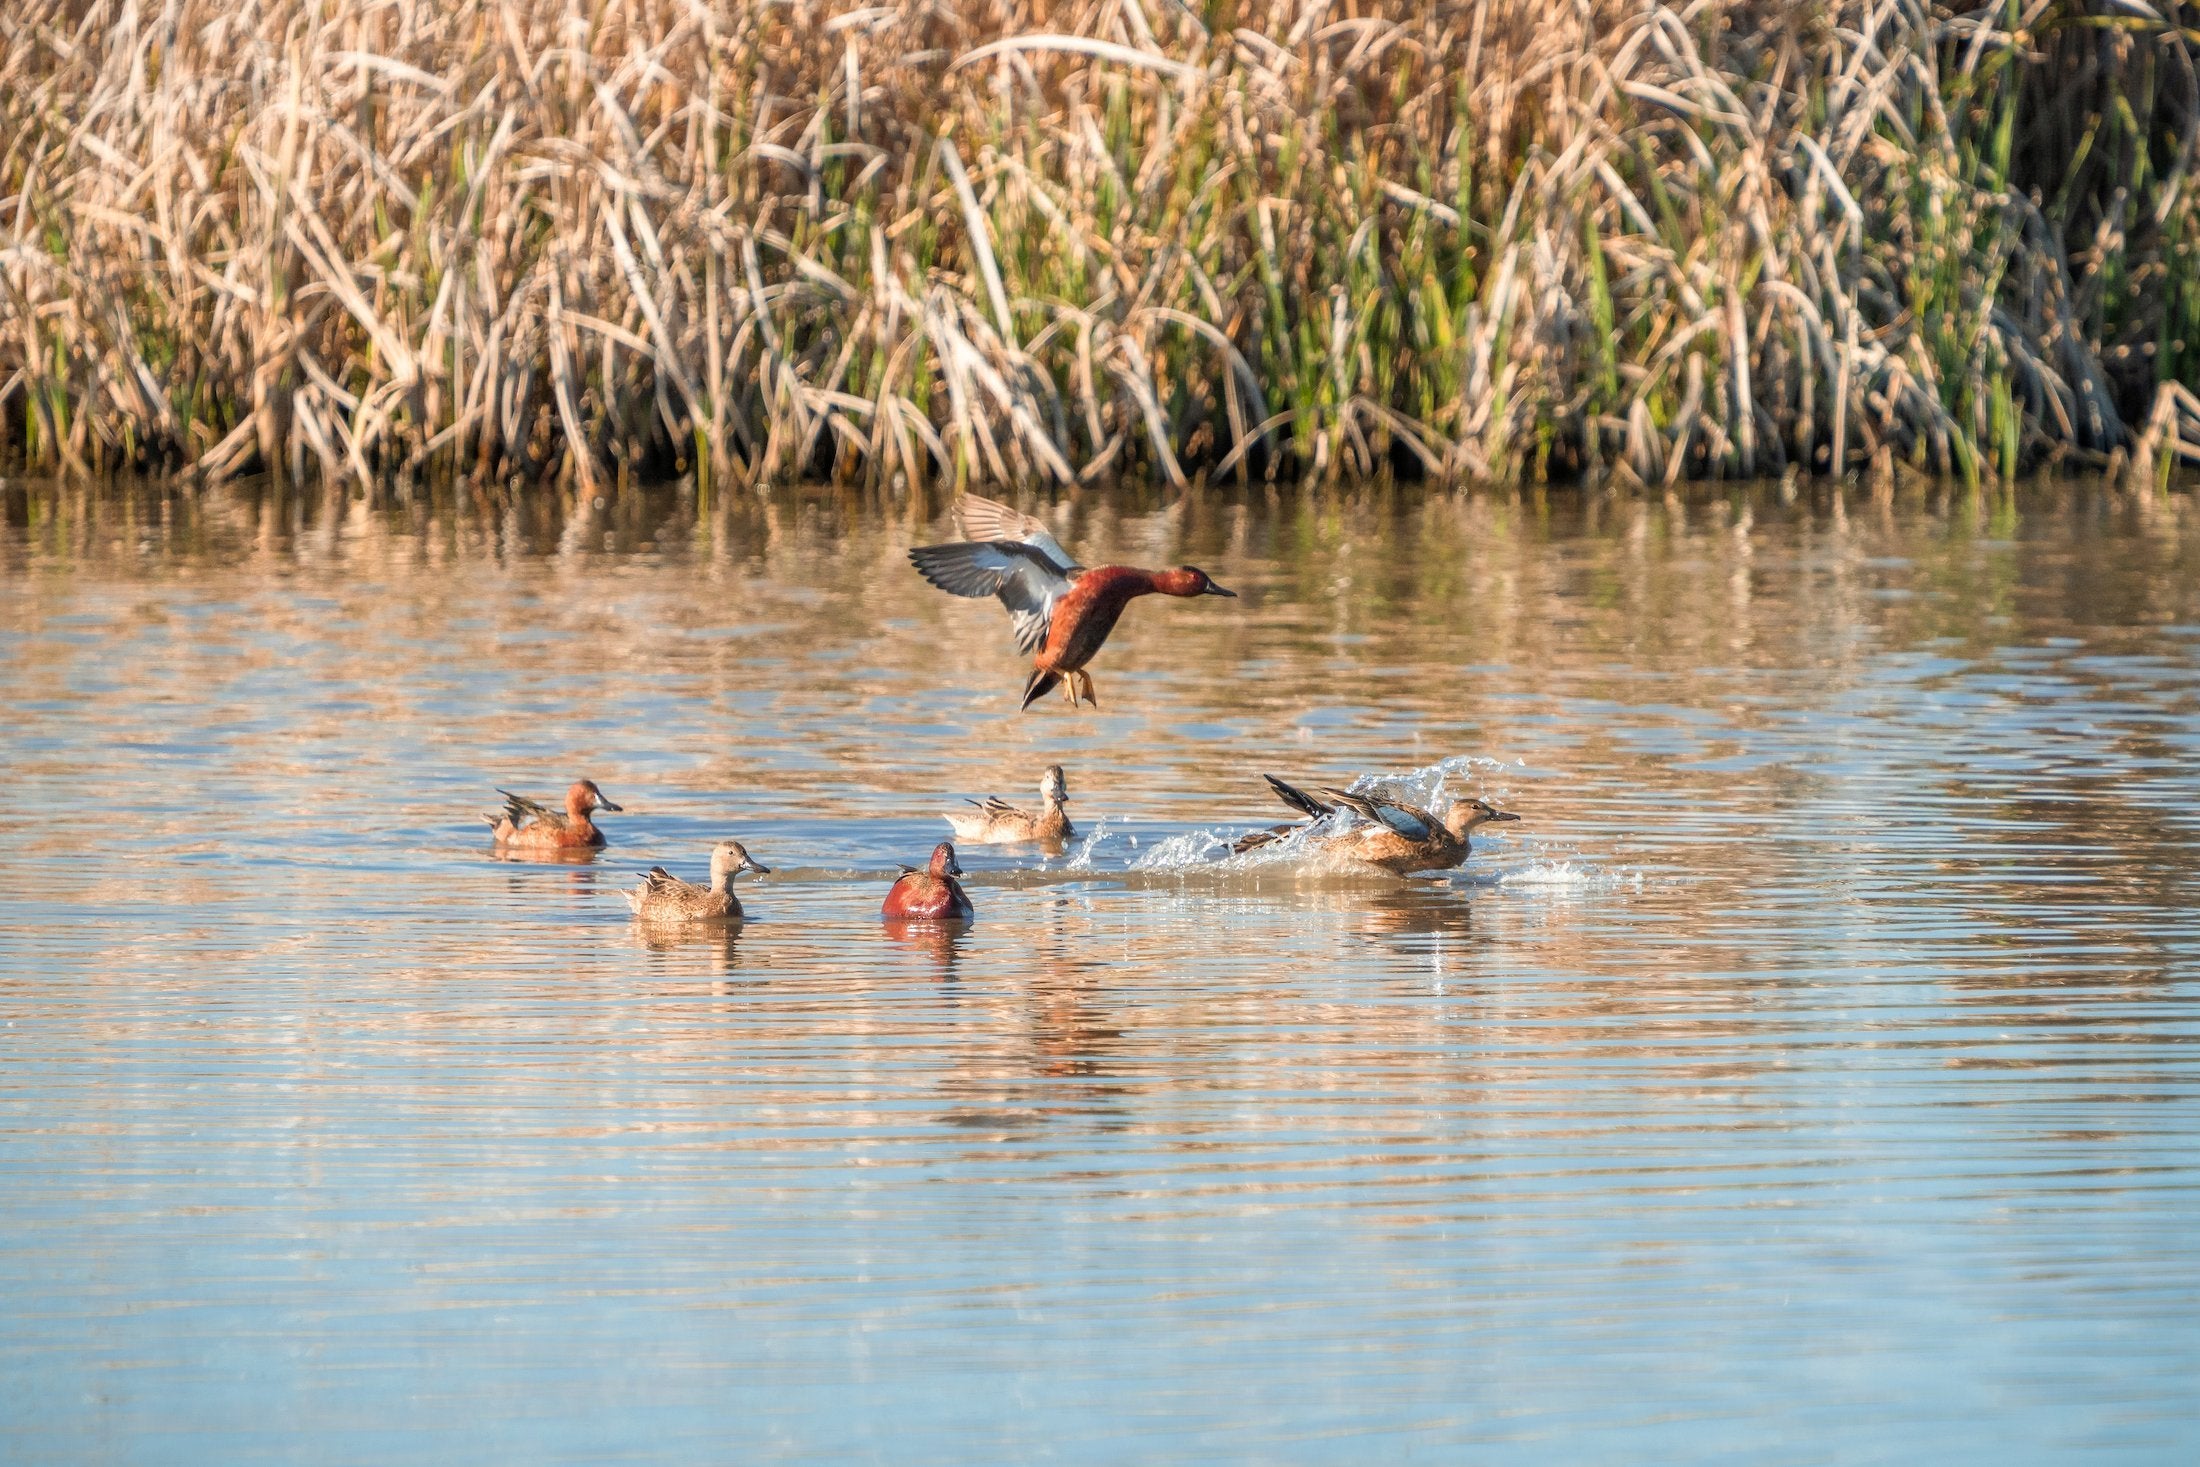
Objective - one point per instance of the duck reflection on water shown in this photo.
(690, 951)
(942, 942)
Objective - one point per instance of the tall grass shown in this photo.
(1060, 239)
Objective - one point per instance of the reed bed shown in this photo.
(1055, 240)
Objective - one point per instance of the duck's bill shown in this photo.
(1215, 590)
(752, 864)
(604, 804)
(1504, 815)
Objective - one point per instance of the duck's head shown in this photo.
(1053, 788)
(730, 856)
(1188, 580)
(943, 860)
(584, 797)
(1462, 816)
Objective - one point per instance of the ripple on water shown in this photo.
(1815, 1062)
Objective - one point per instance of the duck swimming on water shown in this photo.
(664, 897)
(997, 822)
(530, 826)
(1062, 612)
(930, 895)
(1389, 834)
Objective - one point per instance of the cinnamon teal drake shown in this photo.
(1388, 834)
(527, 825)
(997, 822)
(1061, 611)
(930, 895)
(664, 897)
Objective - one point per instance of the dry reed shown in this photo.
(1059, 239)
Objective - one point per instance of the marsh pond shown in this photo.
(1809, 1075)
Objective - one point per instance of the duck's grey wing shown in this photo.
(657, 878)
(519, 806)
(1297, 799)
(1027, 578)
(989, 519)
(1412, 823)
(995, 805)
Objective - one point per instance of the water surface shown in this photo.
(1808, 1077)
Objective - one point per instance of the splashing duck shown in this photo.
(930, 895)
(523, 824)
(1388, 834)
(997, 822)
(1061, 611)
(664, 897)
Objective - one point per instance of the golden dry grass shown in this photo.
(1062, 239)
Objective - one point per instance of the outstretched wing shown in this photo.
(989, 519)
(1023, 565)
(518, 807)
(1297, 799)
(1409, 821)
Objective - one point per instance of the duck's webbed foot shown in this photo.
(1084, 686)
(1069, 688)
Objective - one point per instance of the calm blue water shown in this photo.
(1810, 1076)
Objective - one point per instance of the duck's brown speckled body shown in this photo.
(663, 897)
(1389, 835)
(996, 822)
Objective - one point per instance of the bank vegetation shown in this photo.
(1044, 242)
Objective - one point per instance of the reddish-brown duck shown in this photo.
(1062, 612)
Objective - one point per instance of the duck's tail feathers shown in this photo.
(1297, 799)
(1042, 683)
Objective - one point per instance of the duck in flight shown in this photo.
(1062, 612)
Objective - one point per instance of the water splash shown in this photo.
(1186, 852)
(1431, 786)
(1567, 874)
(1081, 859)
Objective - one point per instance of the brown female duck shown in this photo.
(664, 897)
(1389, 834)
(996, 822)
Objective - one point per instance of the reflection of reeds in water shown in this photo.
(1057, 239)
